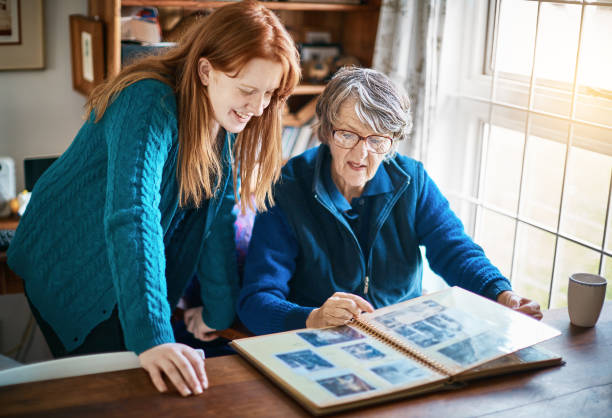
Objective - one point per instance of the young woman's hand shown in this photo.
(338, 309)
(520, 304)
(181, 364)
(195, 324)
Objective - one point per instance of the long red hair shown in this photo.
(229, 38)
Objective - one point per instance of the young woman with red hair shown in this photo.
(141, 200)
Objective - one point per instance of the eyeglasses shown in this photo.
(375, 143)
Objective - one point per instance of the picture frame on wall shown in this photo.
(21, 35)
(87, 52)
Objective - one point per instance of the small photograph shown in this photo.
(305, 361)
(328, 336)
(347, 384)
(400, 372)
(429, 305)
(421, 333)
(445, 322)
(410, 314)
(388, 320)
(364, 351)
(430, 331)
(472, 350)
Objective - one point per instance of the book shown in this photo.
(430, 343)
(288, 140)
(303, 138)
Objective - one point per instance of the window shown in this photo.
(523, 147)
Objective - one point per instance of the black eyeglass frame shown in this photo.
(362, 138)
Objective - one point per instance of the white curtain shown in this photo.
(408, 45)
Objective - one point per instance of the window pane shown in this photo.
(516, 36)
(495, 234)
(586, 190)
(543, 172)
(607, 273)
(514, 53)
(596, 50)
(503, 160)
(465, 211)
(534, 261)
(557, 48)
(454, 150)
(571, 258)
(594, 100)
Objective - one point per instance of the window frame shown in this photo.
(476, 93)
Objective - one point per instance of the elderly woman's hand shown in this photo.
(338, 309)
(520, 304)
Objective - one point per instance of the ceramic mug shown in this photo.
(585, 296)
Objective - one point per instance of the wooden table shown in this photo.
(581, 388)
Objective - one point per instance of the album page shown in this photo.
(456, 330)
(339, 365)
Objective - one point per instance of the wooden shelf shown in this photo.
(302, 116)
(309, 89)
(351, 25)
(272, 5)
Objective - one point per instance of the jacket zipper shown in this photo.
(366, 285)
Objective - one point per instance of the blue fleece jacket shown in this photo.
(304, 249)
(103, 228)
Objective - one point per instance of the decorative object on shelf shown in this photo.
(7, 184)
(316, 59)
(21, 35)
(18, 205)
(87, 52)
(175, 30)
(344, 61)
(323, 51)
(317, 37)
(141, 24)
(315, 70)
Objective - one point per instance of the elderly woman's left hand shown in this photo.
(195, 324)
(520, 304)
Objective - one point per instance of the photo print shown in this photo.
(347, 384)
(474, 349)
(400, 372)
(410, 314)
(363, 351)
(305, 361)
(434, 329)
(328, 336)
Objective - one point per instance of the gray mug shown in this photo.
(585, 296)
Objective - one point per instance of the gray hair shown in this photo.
(380, 104)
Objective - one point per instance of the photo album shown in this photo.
(421, 345)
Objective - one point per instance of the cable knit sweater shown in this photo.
(103, 228)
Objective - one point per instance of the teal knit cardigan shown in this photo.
(95, 233)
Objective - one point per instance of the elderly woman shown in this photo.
(349, 218)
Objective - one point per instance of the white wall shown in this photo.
(39, 115)
(39, 112)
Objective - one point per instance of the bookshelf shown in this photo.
(353, 26)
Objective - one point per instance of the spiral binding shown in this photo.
(394, 342)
